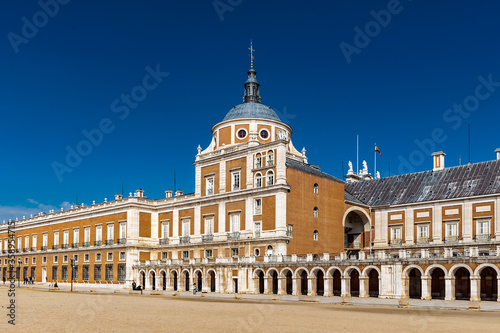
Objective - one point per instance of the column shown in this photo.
(475, 287)
(267, 283)
(426, 287)
(467, 222)
(281, 214)
(449, 288)
(295, 285)
(498, 288)
(327, 285)
(345, 286)
(222, 217)
(197, 220)
(281, 286)
(406, 287)
(363, 286)
(311, 286)
(437, 224)
(175, 221)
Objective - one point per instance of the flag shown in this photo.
(377, 150)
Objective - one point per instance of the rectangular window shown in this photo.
(208, 253)
(33, 241)
(185, 254)
(110, 256)
(109, 272)
(64, 273)
(111, 228)
(33, 260)
(97, 272)
(234, 252)
(85, 272)
(236, 180)
(258, 181)
(270, 179)
(483, 228)
(98, 257)
(87, 235)
(56, 259)
(45, 239)
(258, 206)
(164, 229)
(76, 236)
(75, 273)
(86, 257)
(27, 241)
(19, 243)
(65, 258)
(209, 225)
(98, 233)
(185, 227)
(75, 257)
(44, 260)
(258, 229)
(270, 158)
(122, 255)
(55, 272)
(121, 272)
(210, 185)
(395, 235)
(235, 222)
(66, 237)
(423, 231)
(123, 230)
(451, 229)
(25, 261)
(290, 230)
(164, 255)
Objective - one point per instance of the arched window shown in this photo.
(315, 235)
(270, 157)
(258, 180)
(270, 178)
(315, 188)
(258, 161)
(269, 250)
(315, 212)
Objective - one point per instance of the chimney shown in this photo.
(118, 196)
(179, 193)
(438, 160)
(168, 193)
(498, 153)
(139, 193)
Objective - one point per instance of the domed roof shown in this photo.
(252, 110)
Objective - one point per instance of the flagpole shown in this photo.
(357, 153)
(375, 153)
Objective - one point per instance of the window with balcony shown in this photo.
(86, 237)
(396, 235)
(483, 230)
(186, 227)
(111, 234)
(210, 185)
(209, 225)
(164, 230)
(270, 157)
(123, 233)
(423, 234)
(65, 239)
(98, 235)
(26, 242)
(451, 232)
(76, 238)
(235, 222)
(234, 252)
(258, 206)
(235, 179)
(258, 180)
(208, 253)
(33, 242)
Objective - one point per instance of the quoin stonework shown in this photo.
(264, 220)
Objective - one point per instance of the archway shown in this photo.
(274, 276)
(200, 280)
(143, 280)
(489, 284)
(462, 284)
(163, 280)
(356, 226)
(415, 281)
(320, 283)
(373, 283)
(289, 283)
(261, 282)
(354, 283)
(212, 281)
(438, 284)
(175, 280)
(152, 280)
(337, 283)
(303, 282)
(186, 281)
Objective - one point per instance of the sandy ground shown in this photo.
(44, 311)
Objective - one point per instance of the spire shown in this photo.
(251, 85)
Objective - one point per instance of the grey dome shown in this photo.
(252, 110)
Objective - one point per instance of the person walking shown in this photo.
(195, 289)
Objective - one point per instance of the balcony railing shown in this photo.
(85, 244)
(110, 241)
(184, 239)
(396, 242)
(25, 249)
(122, 240)
(97, 243)
(354, 245)
(258, 211)
(233, 235)
(451, 239)
(163, 241)
(483, 238)
(423, 240)
(33, 249)
(44, 248)
(207, 238)
(75, 245)
(55, 247)
(4, 251)
(64, 246)
(257, 234)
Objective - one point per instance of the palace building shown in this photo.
(263, 220)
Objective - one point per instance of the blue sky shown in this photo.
(408, 75)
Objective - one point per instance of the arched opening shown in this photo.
(289, 283)
(462, 284)
(270, 178)
(316, 189)
(269, 250)
(437, 284)
(354, 231)
(261, 282)
(212, 281)
(489, 284)
(164, 280)
(274, 277)
(315, 212)
(415, 287)
(152, 280)
(337, 283)
(373, 283)
(143, 280)
(200, 281)
(315, 235)
(320, 283)
(258, 180)
(175, 280)
(303, 283)
(186, 280)
(354, 283)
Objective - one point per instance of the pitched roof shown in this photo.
(309, 169)
(450, 183)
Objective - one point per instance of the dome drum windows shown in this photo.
(241, 134)
(264, 134)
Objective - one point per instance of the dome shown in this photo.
(252, 110)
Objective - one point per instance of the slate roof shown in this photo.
(309, 169)
(252, 110)
(450, 183)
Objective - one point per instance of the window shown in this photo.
(109, 272)
(234, 252)
(423, 231)
(33, 260)
(121, 272)
(258, 229)
(270, 178)
(315, 212)
(87, 235)
(45, 238)
(242, 133)
(56, 238)
(66, 237)
(164, 230)
(164, 255)
(98, 233)
(44, 260)
(258, 161)
(258, 180)
(264, 134)
(269, 250)
(316, 189)
(236, 180)
(209, 225)
(210, 185)
(315, 235)
(110, 256)
(56, 259)
(290, 230)
(98, 257)
(185, 254)
(256, 252)
(25, 261)
(185, 227)
(64, 273)
(122, 255)
(85, 273)
(65, 258)
(270, 158)
(123, 230)
(76, 236)
(395, 235)
(75, 273)
(258, 206)
(208, 253)
(483, 227)
(451, 229)
(235, 222)
(75, 257)
(97, 272)
(33, 241)
(55, 272)
(111, 228)
(27, 241)
(86, 257)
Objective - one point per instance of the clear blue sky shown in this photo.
(65, 72)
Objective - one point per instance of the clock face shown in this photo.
(281, 134)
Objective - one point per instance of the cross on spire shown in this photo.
(251, 54)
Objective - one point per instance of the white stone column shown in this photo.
(197, 220)
(295, 285)
(222, 217)
(475, 287)
(327, 286)
(498, 288)
(437, 224)
(280, 159)
(405, 280)
(449, 288)
(266, 285)
(197, 184)
(364, 287)
(409, 224)
(281, 283)
(345, 286)
(311, 286)
(426, 287)
(249, 214)
(175, 221)
(467, 222)
(281, 210)
(222, 176)
(497, 222)
(249, 174)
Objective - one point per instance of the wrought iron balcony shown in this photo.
(233, 235)
(33, 249)
(207, 238)
(423, 240)
(184, 240)
(75, 245)
(163, 241)
(122, 240)
(451, 239)
(110, 241)
(85, 244)
(354, 245)
(483, 238)
(4, 251)
(396, 242)
(55, 247)
(64, 246)
(257, 234)
(18, 250)
(25, 249)
(97, 243)
(44, 248)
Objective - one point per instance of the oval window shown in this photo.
(242, 134)
(264, 134)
